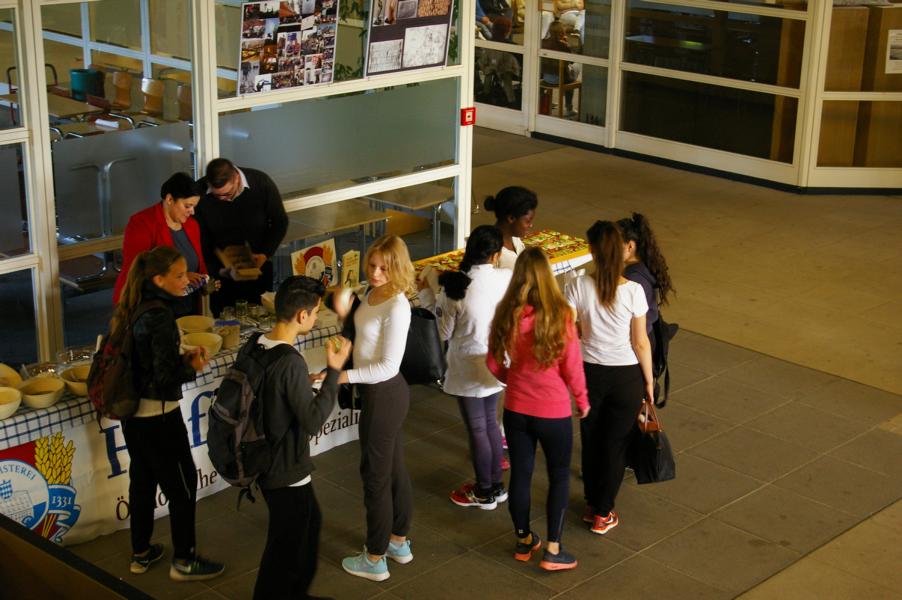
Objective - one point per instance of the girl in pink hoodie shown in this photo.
(534, 349)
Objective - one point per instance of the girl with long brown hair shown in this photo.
(533, 329)
(645, 264)
(611, 314)
(155, 435)
(381, 321)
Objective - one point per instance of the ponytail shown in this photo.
(485, 241)
(637, 229)
(606, 244)
(145, 267)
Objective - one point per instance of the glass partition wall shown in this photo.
(802, 93)
(134, 90)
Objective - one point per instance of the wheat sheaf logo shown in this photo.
(40, 495)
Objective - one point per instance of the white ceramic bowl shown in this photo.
(10, 399)
(195, 324)
(9, 376)
(76, 378)
(211, 341)
(42, 391)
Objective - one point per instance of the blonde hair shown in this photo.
(532, 284)
(399, 269)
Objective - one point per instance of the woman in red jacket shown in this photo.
(168, 223)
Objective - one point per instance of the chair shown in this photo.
(152, 90)
(183, 96)
(122, 86)
(561, 86)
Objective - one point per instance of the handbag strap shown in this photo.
(648, 418)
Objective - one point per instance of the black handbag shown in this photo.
(651, 456)
(424, 357)
(347, 393)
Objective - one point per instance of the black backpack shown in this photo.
(236, 441)
(110, 380)
(663, 333)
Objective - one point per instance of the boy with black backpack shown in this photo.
(291, 413)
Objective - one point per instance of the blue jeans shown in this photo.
(485, 438)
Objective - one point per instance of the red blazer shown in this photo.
(148, 229)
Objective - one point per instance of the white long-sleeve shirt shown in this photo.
(380, 338)
(465, 324)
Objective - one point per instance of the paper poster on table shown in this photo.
(317, 261)
(286, 44)
(407, 34)
(894, 51)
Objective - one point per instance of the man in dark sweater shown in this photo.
(239, 206)
(292, 413)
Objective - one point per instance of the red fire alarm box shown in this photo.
(468, 116)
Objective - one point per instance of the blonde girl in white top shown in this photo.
(381, 322)
(465, 307)
(610, 312)
(515, 209)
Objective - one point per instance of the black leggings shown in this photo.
(556, 437)
(615, 394)
(160, 455)
(387, 492)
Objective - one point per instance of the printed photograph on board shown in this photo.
(278, 37)
(407, 34)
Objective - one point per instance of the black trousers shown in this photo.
(292, 541)
(160, 455)
(387, 492)
(615, 394)
(556, 438)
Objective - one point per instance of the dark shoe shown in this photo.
(524, 550)
(199, 569)
(500, 493)
(140, 563)
(561, 561)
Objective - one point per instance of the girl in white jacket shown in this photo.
(465, 307)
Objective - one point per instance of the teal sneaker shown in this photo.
(361, 566)
(400, 553)
(140, 562)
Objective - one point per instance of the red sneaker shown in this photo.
(505, 464)
(466, 496)
(602, 525)
(589, 514)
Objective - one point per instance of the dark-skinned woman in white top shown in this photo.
(381, 321)
(610, 313)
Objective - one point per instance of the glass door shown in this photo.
(502, 60)
(573, 41)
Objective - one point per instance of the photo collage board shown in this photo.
(408, 34)
(286, 44)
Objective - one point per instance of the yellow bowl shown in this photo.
(10, 399)
(195, 324)
(9, 376)
(76, 379)
(42, 391)
(211, 341)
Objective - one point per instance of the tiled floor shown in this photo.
(782, 469)
(763, 479)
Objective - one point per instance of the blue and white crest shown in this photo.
(24, 493)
